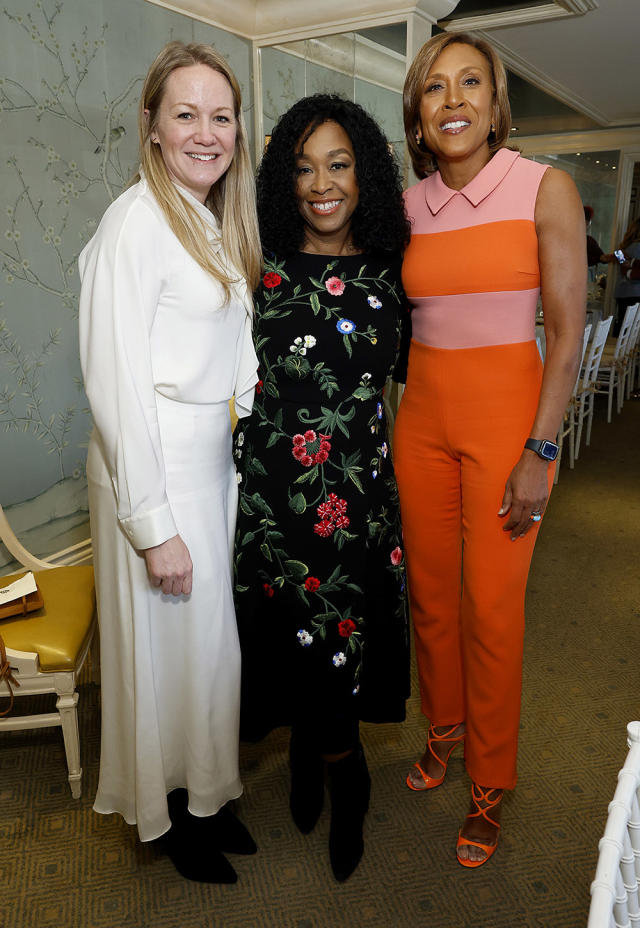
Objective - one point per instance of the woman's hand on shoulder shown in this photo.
(526, 491)
(169, 567)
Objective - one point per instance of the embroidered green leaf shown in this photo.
(296, 367)
(298, 503)
(258, 467)
(296, 569)
(266, 553)
(347, 345)
(364, 393)
(249, 536)
(317, 283)
(309, 475)
(272, 439)
(355, 479)
(277, 419)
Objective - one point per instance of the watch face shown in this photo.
(549, 450)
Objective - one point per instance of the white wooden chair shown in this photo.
(567, 429)
(47, 649)
(586, 387)
(615, 891)
(614, 366)
(633, 352)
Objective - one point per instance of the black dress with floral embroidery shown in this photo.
(320, 578)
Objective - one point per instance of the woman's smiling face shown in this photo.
(326, 188)
(457, 107)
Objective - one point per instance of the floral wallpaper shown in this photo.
(70, 77)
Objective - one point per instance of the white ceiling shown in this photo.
(588, 61)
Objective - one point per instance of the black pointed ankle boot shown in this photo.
(307, 782)
(349, 789)
(191, 854)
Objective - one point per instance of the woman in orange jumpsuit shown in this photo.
(475, 434)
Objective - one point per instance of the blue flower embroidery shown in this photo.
(379, 411)
(374, 302)
(345, 326)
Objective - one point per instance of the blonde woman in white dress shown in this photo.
(165, 342)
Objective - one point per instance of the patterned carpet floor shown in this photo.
(62, 865)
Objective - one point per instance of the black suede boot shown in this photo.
(222, 831)
(307, 782)
(349, 789)
(228, 834)
(194, 856)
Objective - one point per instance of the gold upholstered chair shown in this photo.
(47, 649)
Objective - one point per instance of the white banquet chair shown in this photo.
(615, 891)
(633, 352)
(567, 429)
(614, 366)
(586, 387)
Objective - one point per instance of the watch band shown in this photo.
(545, 449)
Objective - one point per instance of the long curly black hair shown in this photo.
(378, 223)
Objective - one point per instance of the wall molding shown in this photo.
(271, 21)
(590, 140)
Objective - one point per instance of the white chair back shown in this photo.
(615, 891)
(633, 351)
(568, 423)
(594, 355)
(587, 384)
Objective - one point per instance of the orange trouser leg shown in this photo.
(460, 429)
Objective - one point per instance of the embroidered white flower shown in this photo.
(374, 302)
(239, 478)
(241, 439)
(366, 376)
(305, 638)
(374, 474)
(339, 659)
(384, 449)
(355, 690)
(309, 341)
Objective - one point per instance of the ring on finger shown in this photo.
(535, 516)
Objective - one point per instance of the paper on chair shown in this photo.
(18, 588)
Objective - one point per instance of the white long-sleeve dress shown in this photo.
(161, 355)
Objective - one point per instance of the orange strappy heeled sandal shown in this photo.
(432, 738)
(478, 795)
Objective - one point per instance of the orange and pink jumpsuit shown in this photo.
(472, 277)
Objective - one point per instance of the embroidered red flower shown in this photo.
(312, 584)
(324, 510)
(346, 628)
(268, 590)
(396, 556)
(259, 386)
(342, 522)
(310, 448)
(335, 286)
(271, 279)
(324, 529)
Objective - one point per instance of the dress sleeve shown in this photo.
(121, 271)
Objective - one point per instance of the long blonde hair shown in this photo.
(422, 159)
(231, 199)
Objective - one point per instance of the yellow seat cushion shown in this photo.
(58, 632)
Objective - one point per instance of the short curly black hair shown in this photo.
(379, 221)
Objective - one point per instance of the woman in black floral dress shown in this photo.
(320, 578)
